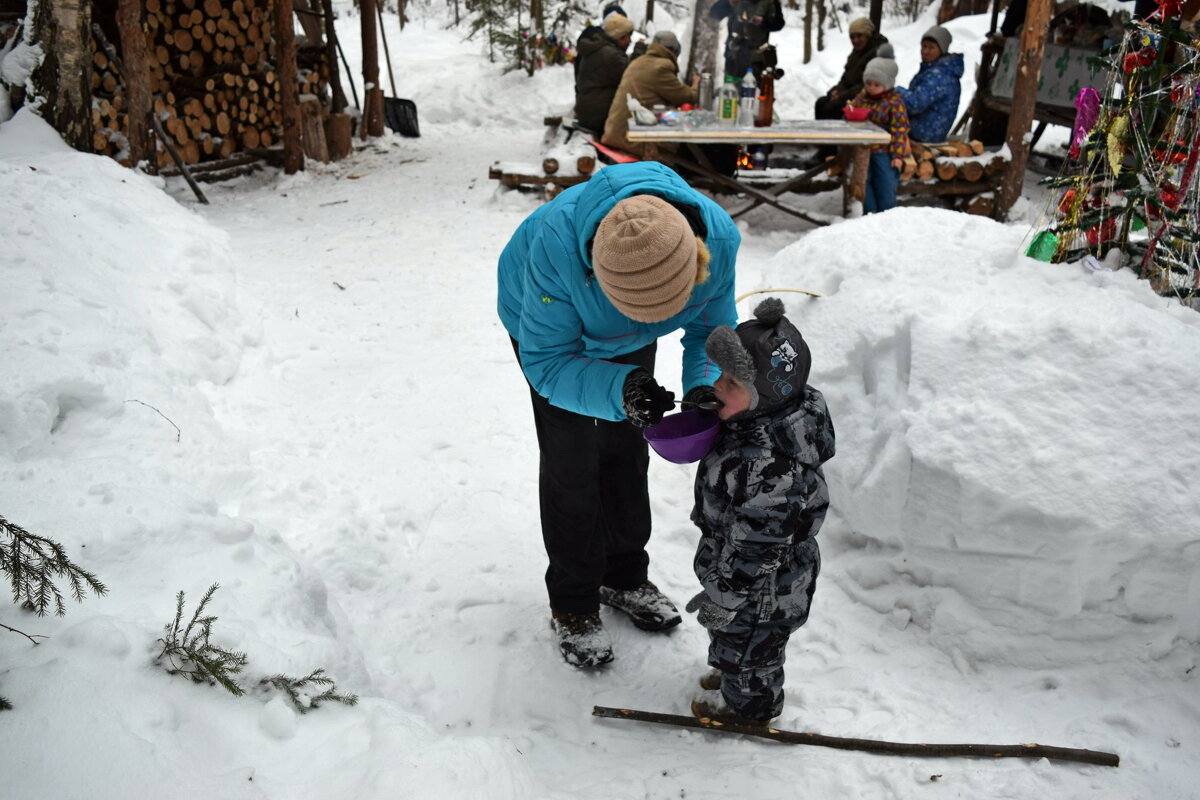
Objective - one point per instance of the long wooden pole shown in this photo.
(1024, 98)
(289, 92)
(387, 54)
(869, 745)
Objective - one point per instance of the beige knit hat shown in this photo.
(617, 26)
(862, 25)
(645, 257)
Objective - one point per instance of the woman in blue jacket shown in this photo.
(932, 97)
(587, 285)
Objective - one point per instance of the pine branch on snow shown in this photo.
(32, 563)
(299, 690)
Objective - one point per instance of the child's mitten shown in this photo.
(708, 613)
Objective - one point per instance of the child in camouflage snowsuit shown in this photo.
(760, 500)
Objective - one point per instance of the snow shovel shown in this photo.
(401, 116)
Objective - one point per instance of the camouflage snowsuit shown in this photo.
(760, 500)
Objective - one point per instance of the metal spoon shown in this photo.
(707, 405)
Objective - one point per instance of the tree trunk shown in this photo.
(649, 13)
(702, 55)
(1020, 118)
(285, 50)
(372, 93)
(63, 29)
(136, 59)
(876, 15)
(808, 26)
(339, 96)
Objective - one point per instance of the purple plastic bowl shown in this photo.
(684, 437)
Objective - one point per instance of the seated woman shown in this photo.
(932, 96)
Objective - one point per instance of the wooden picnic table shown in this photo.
(855, 138)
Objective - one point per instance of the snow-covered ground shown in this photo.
(302, 392)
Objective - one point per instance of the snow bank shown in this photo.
(987, 425)
(120, 311)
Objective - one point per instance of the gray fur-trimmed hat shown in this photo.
(766, 354)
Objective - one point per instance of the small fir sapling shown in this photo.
(189, 652)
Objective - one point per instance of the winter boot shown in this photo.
(711, 680)
(711, 705)
(582, 639)
(649, 608)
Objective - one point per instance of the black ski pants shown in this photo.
(595, 504)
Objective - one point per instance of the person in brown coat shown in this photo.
(652, 79)
(601, 63)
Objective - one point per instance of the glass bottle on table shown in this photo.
(766, 100)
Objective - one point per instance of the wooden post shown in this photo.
(856, 187)
(135, 57)
(289, 101)
(1024, 97)
(64, 78)
(372, 94)
(331, 55)
(649, 12)
(876, 14)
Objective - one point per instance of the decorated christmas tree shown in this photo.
(1127, 194)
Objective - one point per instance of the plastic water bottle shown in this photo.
(727, 101)
(748, 101)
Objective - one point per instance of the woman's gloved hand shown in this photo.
(644, 400)
(699, 394)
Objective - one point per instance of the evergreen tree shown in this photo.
(1128, 193)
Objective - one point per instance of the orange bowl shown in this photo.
(855, 114)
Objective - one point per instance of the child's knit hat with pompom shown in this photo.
(766, 354)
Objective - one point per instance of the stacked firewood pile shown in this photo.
(954, 169)
(211, 71)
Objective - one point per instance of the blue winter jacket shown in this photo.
(932, 98)
(552, 304)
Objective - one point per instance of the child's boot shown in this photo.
(582, 639)
(711, 705)
(649, 608)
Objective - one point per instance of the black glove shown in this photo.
(708, 613)
(644, 400)
(699, 394)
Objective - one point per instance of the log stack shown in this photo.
(952, 161)
(213, 78)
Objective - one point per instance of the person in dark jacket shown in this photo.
(864, 42)
(587, 285)
(932, 96)
(591, 31)
(601, 62)
(748, 27)
(760, 500)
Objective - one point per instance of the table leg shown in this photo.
(856, 187)
(673, 159)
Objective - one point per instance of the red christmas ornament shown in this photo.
(1130, 63)
(1170, 8)
(1064, 205)
(1170, 197)
(1103, 232)
(1146, 56)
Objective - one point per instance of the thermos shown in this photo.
(706, 91)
